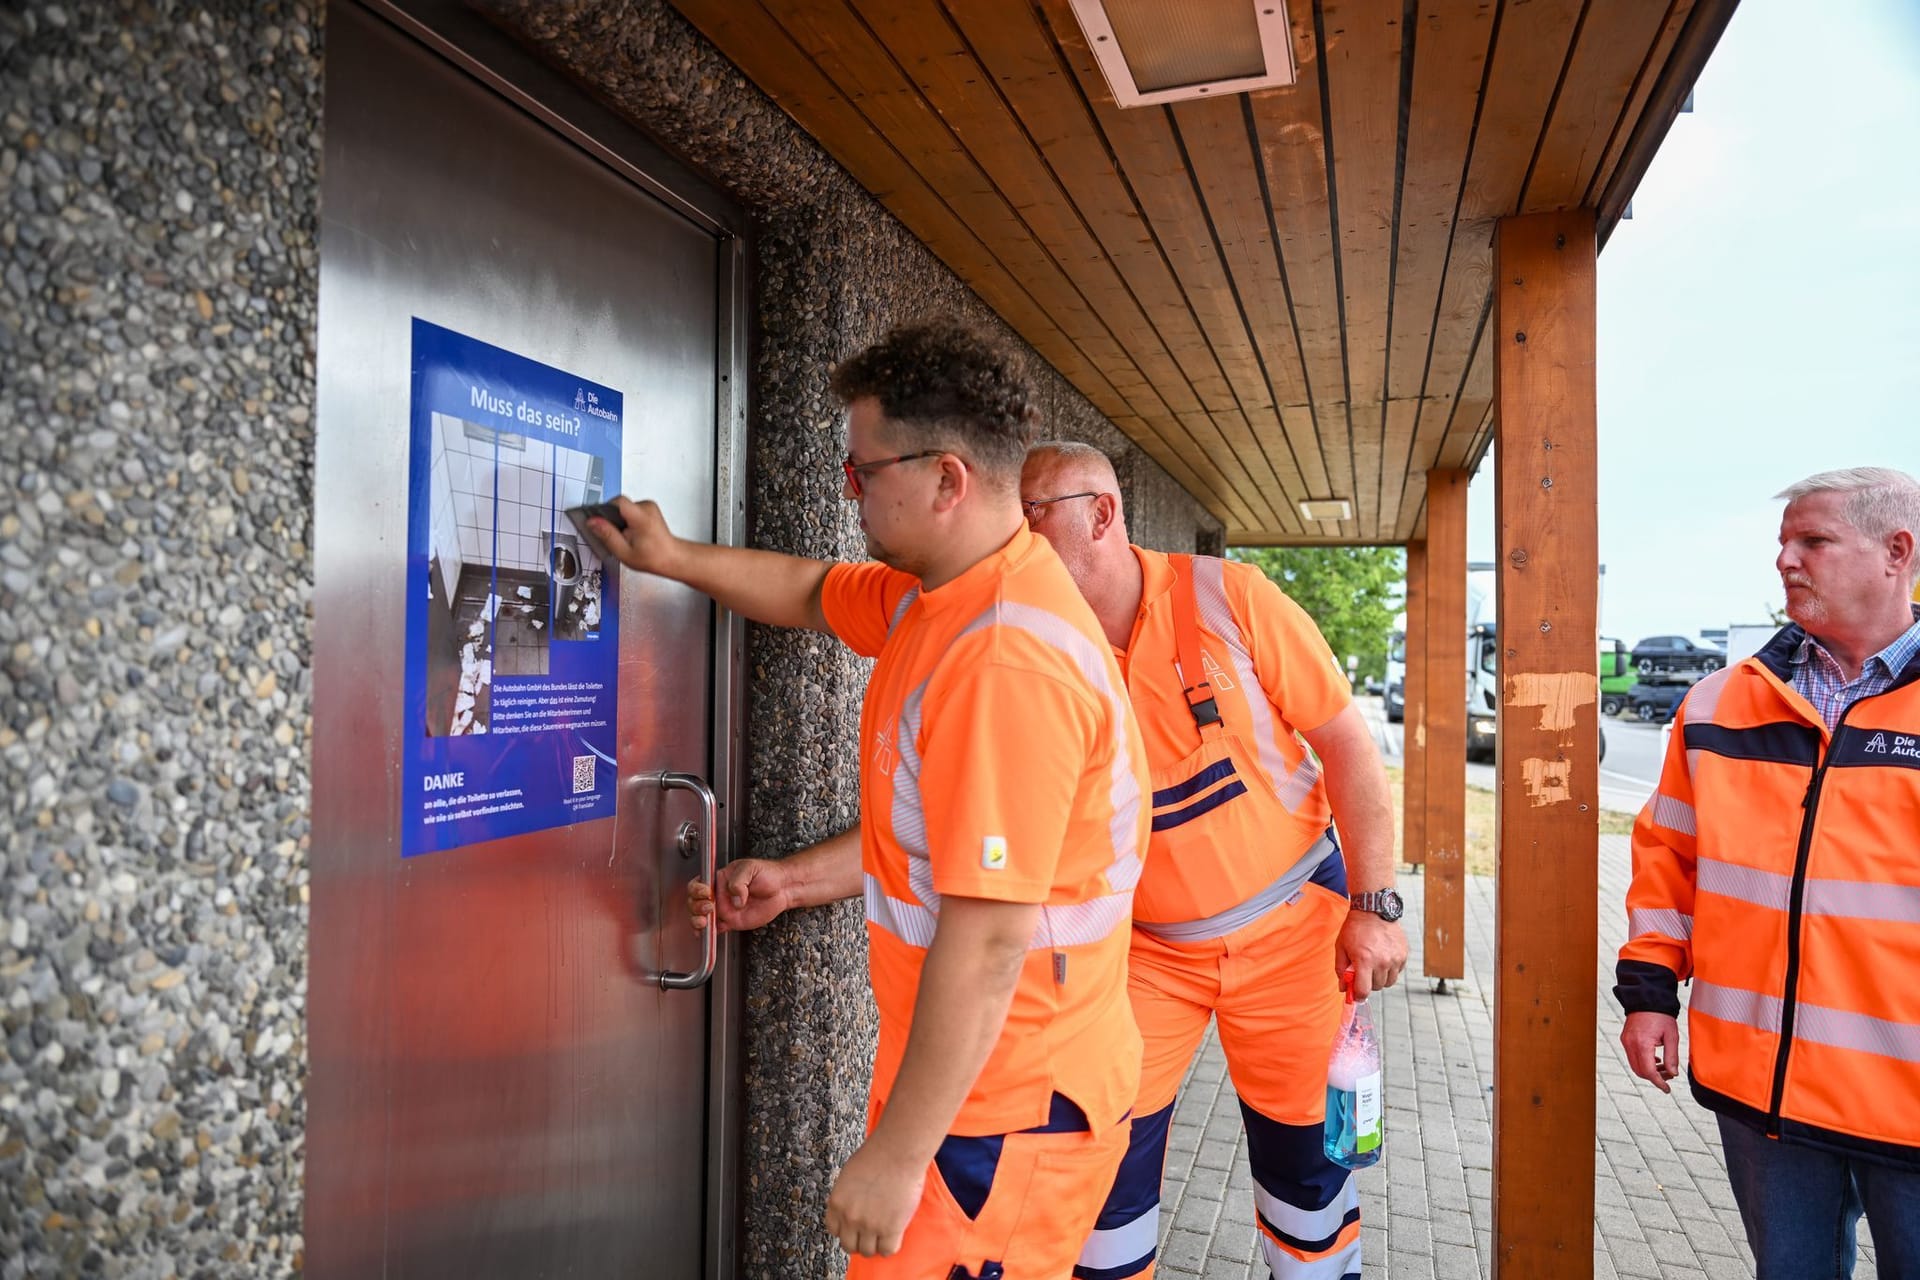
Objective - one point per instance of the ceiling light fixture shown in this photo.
(1327, 509)
(1153, 52)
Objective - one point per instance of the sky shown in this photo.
(1759, 316)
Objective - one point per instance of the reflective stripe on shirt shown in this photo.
(1290, 787)
(1060, 926)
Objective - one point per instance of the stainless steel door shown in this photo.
(500, 1084)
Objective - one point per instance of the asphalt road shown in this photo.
(1627, 776)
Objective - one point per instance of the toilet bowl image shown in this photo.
(563, 561)
(574, 571)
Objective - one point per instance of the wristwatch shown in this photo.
(1384, 903)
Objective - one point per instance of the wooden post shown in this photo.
(1413, 701)
(1445, 722)
(1547, 886)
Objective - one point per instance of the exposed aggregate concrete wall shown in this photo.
(157, 270)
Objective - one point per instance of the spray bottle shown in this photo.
(1356, 1120)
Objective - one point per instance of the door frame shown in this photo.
(462, 38)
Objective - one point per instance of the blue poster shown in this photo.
(512, 620)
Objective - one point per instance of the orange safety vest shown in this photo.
(1778, 867)
(1240, 817)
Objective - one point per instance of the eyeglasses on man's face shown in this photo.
(856, 472)
(1035, 507)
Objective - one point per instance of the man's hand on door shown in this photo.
(752, 892)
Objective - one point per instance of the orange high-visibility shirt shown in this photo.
(999, 761)
(1273, 677)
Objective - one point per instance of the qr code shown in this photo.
(582, 774)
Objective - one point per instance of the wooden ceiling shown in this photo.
(1280, 295)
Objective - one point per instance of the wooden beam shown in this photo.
(1289, 131)
(1450, 53)
(1213, 139)
(1251, 334)
(1402, 417)
(1413, 841)
(1653, 115)
(1156, 333)
(963, 230)
(1363, 45)
(1547, 886)
(1146, 159)
(1678, 12)
(1610, 48)
(1529, 47)
(1028, 127)
(1446, 723)
(1472, 406)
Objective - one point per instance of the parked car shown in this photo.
(1396, 701)
(1655, 703)
(1658, 657)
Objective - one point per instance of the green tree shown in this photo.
(1351, 593)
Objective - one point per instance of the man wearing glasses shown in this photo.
(1003, 822)
(1248, 908)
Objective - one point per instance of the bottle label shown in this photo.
(1366, 1113)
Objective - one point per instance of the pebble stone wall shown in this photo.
(157, 268)
(157, 191)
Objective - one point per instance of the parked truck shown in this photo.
(1483, 668)
(1616, 675)
(1483, 689)
(1744, 639)
(1395, 696)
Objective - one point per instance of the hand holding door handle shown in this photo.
(710, 940)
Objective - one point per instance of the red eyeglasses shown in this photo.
(856, 471)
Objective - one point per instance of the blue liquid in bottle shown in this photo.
(1355, 1126)
(1343, 1143)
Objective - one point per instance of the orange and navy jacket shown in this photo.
(1239, 810)
(1778, 867)
(999, 761)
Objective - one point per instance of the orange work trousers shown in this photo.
(1271, 986)
(1273, 990)
(1042, 1192)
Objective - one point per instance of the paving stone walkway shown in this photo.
(1663, 1208)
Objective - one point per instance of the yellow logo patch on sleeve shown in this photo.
(993, 853)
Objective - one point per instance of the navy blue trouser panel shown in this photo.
(1296, 1185)
(967, 1165)
(1135, 1193)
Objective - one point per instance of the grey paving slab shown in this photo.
(1663, 1205)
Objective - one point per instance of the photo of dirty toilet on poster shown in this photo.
(512, 622)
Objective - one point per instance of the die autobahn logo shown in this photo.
(1898, 744)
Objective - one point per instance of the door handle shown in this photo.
(710, 870)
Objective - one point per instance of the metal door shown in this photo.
(501, 1085)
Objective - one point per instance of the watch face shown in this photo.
(1384, 903)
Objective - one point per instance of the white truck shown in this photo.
(1744, 639)
(1483, 667)
(1482, 664)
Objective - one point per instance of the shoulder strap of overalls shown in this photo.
(1186, 638)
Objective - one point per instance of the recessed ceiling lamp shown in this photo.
(1327, 509)
(1153, 52)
